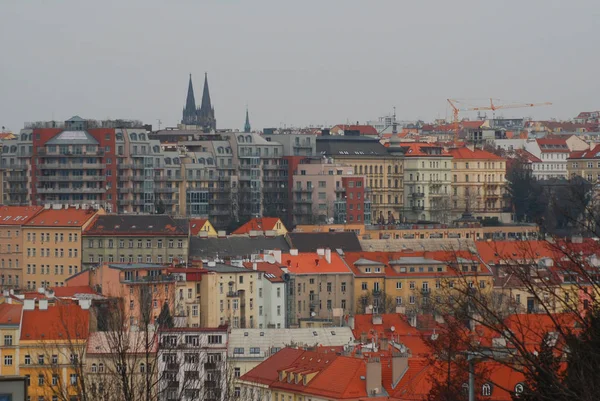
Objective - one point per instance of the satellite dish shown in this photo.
(370, 306)
(393, 328)
(313, 314)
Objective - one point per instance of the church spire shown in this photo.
(189, 112)
(205, 106)
(247, 128)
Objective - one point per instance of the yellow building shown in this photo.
(585, 164)
(10, 319)
(260, 225)
(384, 281)
(12, 219)
(227, 295)
(479, 184)
(202, 228)
(52, 347)
(52, 246)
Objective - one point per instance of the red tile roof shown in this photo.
(272, 271)
(17, 215)
(61, 218)
(258, 224)
(394, 326)
(507, 252)
(477, 154)
(59, 322)
(10, 314)
(196, 225)
(554, 145)
(529, 157)
(68, 292)
(363, 129)
(267, 372)
(471, 124)
(6, 135)
(312, 263)
(593, 153)
(417, 149)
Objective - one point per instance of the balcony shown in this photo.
(274, 167)
(417, 208)
(340, 189)
(210, 366)
(125, 202)
(71, 190)
(301, 201)
(418, 195)
(16, 178)
(16, 166)
(17, 190)
(173, 384)
(125, 190)
(69, 178)
(71, 166)
(278, 178)
(164, 190)
(224, 212)
(161, 278)
(300, 190)
(233, 294)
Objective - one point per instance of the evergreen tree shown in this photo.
(165, 320)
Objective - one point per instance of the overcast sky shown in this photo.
(294, 63)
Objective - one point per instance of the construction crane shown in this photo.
(454, 104)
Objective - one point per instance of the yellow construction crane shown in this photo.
(454, 104)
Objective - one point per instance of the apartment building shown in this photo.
(192, 364)
(143, 287)
(585, 164)
(135, 239)
(228, 295)
(202, 227)
(273, 225)
(479, 184)
(553, 152)
(427, 172)
(327, 191)
(52, 346)
(320, 286)
(188, 292)
(52, 245)
(383, 170)
(12, 219)
(271, 287)
(10, 323)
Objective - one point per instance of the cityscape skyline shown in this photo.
(291, 74)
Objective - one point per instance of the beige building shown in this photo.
(12, 219)
(52, 245)
(427, 182)
(585, 164)
(479, 184)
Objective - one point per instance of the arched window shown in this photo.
(240, 139)
(395, 169)
(13, 149)
(133, 136)
(142, 137)
(228, 150)
(94, 368)
(119, 136)
(100, 368)
(201, 160)
(360, 170)
(156, 149)
(371, 169)
(248, 139)
(389, 169)
(23, 137)
(395, 183)
(176, 160)
(465, 388)
(142, 368)
(486, 390)
(209, 161)
(380, 169)
(5, 149)
(220, 150)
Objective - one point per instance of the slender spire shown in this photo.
(189, 111)
(247, 128)
(206, 106)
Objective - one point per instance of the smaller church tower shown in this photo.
(247, 128)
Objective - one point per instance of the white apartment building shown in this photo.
(553, 152)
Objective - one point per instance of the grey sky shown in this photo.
(295, 63)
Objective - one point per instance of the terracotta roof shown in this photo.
(402, 331)
(61, 218)
(416, 149)
(17, 215)
(267, 372)
(10, 314)
(6, 135)
(528, 156)
(471, 124)
(258, 224)
(68, 292)
(363, 129)
(196, 225)
(272, 271)
(506, 252)
(477, 154)
(312, 263)
(593, 153)
(554, 145)
(135, 225)
(59, 322)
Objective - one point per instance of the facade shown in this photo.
(135, 239)
(553, 153)
(585, 164)
(320, 287)
(201, 228)
(10, 323)
(271, 288)
(479, 184)
(383, 171)
(192, 363)
(52, 245)
(427, 171)
(12, 219)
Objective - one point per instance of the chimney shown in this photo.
(471, 147)
(412, 320)
(277, 255)
(211, 263)
(351, 322)
(373, 377)
(294, 252)
(85, 304)
(28, 304)
(43, 304)
(328, 255)
(383, 344)
(270, 233)
(221, 234)
(254, 266)
(203, 234)
(321, 251)
(399, 367)
(253, 233)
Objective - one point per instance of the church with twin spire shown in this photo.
(204, 116)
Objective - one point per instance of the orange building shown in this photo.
(12, 219)
(132, 283)
(10, 319)
(262, 224)
(52, 245)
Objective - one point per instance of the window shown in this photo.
(54, 359)
(214, 339)
(8, 340)
(94, 368)
(237, 372)
(40, 359)
(411, 285)
(73, 379)
(254, 350)
(55, 379)
(40, 380)
(486, 390)
(343, 286)
(411, 299)
(27, 359)
(399, 285)
(8, 360)
(364, 285)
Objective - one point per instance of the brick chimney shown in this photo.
(374, 386)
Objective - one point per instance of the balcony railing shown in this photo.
(418, 208)
(418, 195)
(150, 279)
(71, 190)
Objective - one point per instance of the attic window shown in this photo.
(262, 333)
(333, 333)
(245, 334)
(315, 333)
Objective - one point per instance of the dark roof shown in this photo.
(350, 146)
(310, 242)
(73, 138)
(136, 225)
(234, 246)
